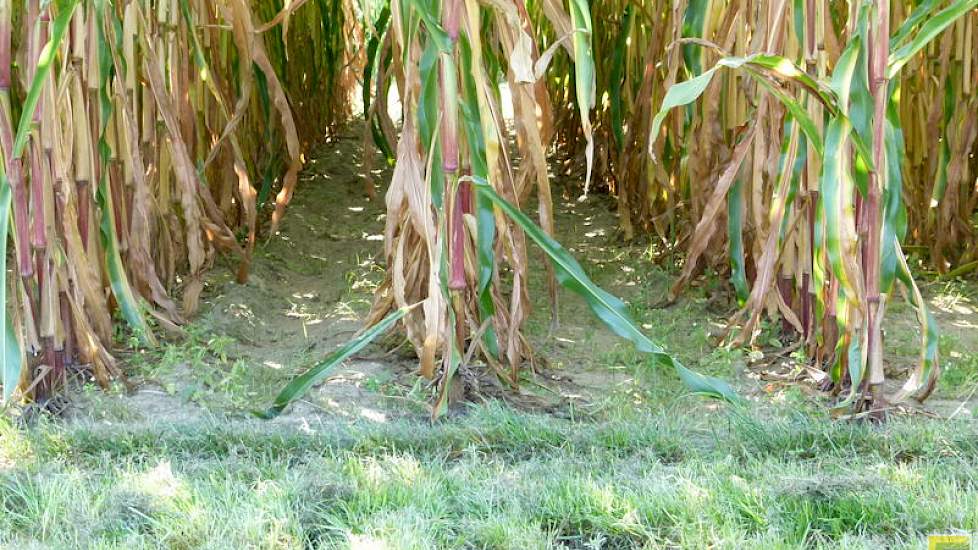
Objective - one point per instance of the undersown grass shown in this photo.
(491, 478)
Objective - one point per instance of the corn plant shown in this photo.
(846, 241)
(135, 137)
(453, 203)
(801, 154)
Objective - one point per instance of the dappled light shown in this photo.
(159, 483)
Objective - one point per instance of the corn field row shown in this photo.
(140, 140)
(814, 151)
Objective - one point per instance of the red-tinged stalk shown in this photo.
(38, 233)
(456, 279)
(15, 172)
(65, 309)
(14, 166)
(878, 83)
(39, 150)
(56, 300)
(39, 240)
(67, 345)
(7, 139)
(451, 20)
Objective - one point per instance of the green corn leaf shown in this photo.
(783, 68)
(795, 109)
(916, 16)
(682, 93)
(586, 87)
(198, 50)
(832, 187)
(118, 280)
(860, 102)
(735, 241)
(612, 311)
(844, 71)
(372, 63)
(757, 66)
(583, 58)
(894, 213)
(485, 217)
(453, 363)
(854, 359)
(799, 20)
(302, 383)
(846, 79)
(428, 116)
(944, 151)
(373, 66)
(930, 336)
(430, 15)
(694, 26)
(927, 32)
(13, 361)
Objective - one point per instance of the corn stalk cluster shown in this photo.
(463, 259)
(140, 139)
(769, 138)
(456, 236)
(800, 147)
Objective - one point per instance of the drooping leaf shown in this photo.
(681, 94)
(927, 32)
(609, 309)
(919, 14)
(584, 77)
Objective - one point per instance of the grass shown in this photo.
(491, 478)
